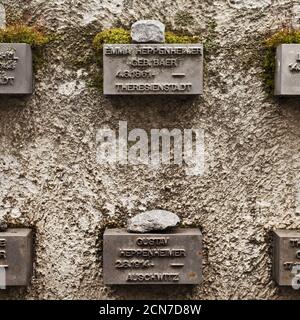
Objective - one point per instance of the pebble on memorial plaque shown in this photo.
(287, 74)
(152, 251)
(153, 220)
(148, 31)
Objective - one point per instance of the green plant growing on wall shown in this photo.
(23, 34)
(114, 35)
(177, 38)
(120, 35)
(288, 36)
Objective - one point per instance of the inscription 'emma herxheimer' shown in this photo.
(153, 69)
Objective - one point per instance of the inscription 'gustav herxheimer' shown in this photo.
(172, 258)
(153, 69)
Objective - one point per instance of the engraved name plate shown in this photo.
(134, 69)
(287, 75)
(286, 257)
(15, 68)
(16, 257)
(152, 258)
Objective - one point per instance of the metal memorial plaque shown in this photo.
(16, 256)
(286, 257)
(15, 68)
(134, 69)
(287, 76)
(152, 258)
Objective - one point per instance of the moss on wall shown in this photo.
(120, 35)
(114, 35)
(270, 44)
(23, 34)
(178, 38)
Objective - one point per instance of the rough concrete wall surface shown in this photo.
(50, 179)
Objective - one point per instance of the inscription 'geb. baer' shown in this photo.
(153, 69)
(152, 258)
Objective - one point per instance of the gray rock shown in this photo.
(144, 31)
(2, 16)
(154, 220)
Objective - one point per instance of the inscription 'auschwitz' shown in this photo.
(153, 69)
(173, 258)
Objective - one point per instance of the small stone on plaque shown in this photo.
(154, 220)
(148, 31)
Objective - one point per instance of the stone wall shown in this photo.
(50, 180)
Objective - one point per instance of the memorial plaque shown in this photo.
(133, 69)
(15, 68)
(286, 257)
(287, 76)
(152, 258)
(16, 256)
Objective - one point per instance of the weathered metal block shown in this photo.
(16, 256)
(152, 258)
(15, 68)
(286, 257)
(287, 75)
(155, 69)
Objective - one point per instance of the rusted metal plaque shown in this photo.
(286, 257)
(152, 258)
(16, 257)
(15, 68)
(136, 69)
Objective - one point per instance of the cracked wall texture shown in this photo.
(50, 181)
